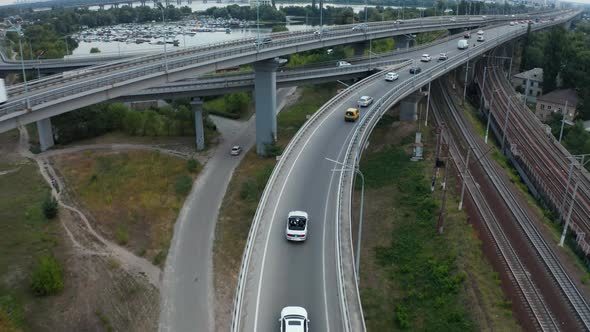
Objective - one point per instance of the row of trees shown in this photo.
(562, 54)
(92, 121)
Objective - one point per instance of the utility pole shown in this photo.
(441, 213)
(439, 133)
(483, 85)
(427, 106)
(465, 170)
(569, 214)
(490, 116)
(465, 84)
(563, 122)
(506, 124)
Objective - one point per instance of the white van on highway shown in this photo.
(462, 44)
(3, 94)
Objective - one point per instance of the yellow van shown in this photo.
(351, 114)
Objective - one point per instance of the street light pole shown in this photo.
(164, 37)
(22, 62)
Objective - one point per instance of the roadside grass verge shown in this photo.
(242, 196)
(133, 197)
(412, 278)
(25, 236)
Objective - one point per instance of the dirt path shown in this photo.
(94, 244)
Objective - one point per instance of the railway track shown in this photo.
(546, 163)
(527, 225)
(543, 319)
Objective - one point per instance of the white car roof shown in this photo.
(293, 310)
(297, 214)
(235, 147)
(365, 97)
(425, 54)
(391, 73)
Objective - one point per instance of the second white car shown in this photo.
(296, 226)
(391, 76)
(365, 101)
(425, 58)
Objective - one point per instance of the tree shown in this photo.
(525, 45)
(47, 276)
(94, 50)
(553, 52)
(49, 207)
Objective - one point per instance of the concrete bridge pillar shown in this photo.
(409, 107)
(359, 48)
(45, 134)
(197, 106)
(402, 42)
(265, 90)
(101, 6)
(178, 2)
(189, 1)
(130, 4)
(115, 5)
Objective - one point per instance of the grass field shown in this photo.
(134, 197)
(241, 199)
(25, 235)
(411, 277)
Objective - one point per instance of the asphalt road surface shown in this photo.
(187, 285)
(304, 274)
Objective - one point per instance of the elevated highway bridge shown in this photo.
(41, 100)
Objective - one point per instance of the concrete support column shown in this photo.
(360, 47)
(401, 42)
(265, 90)
(45, 134)
(197, 106)
(409, 107)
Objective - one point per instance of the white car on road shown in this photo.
(365, 101)
(391, 76)
(342, 63)
(296, 226)
(294, 319)
(425, 58)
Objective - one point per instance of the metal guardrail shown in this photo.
(185, 59)
(367, 123)
(271, 183)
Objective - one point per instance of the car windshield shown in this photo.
(235, 148)
(297, 223)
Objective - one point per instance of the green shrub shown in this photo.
(47, 276)
(12, 310)
(192, 165)
(159, 258)
(49, 207)
(273, 150)
(121, 234)
(183, 184)
(249, 190)
(279, 28)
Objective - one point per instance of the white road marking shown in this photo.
(279, 199)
